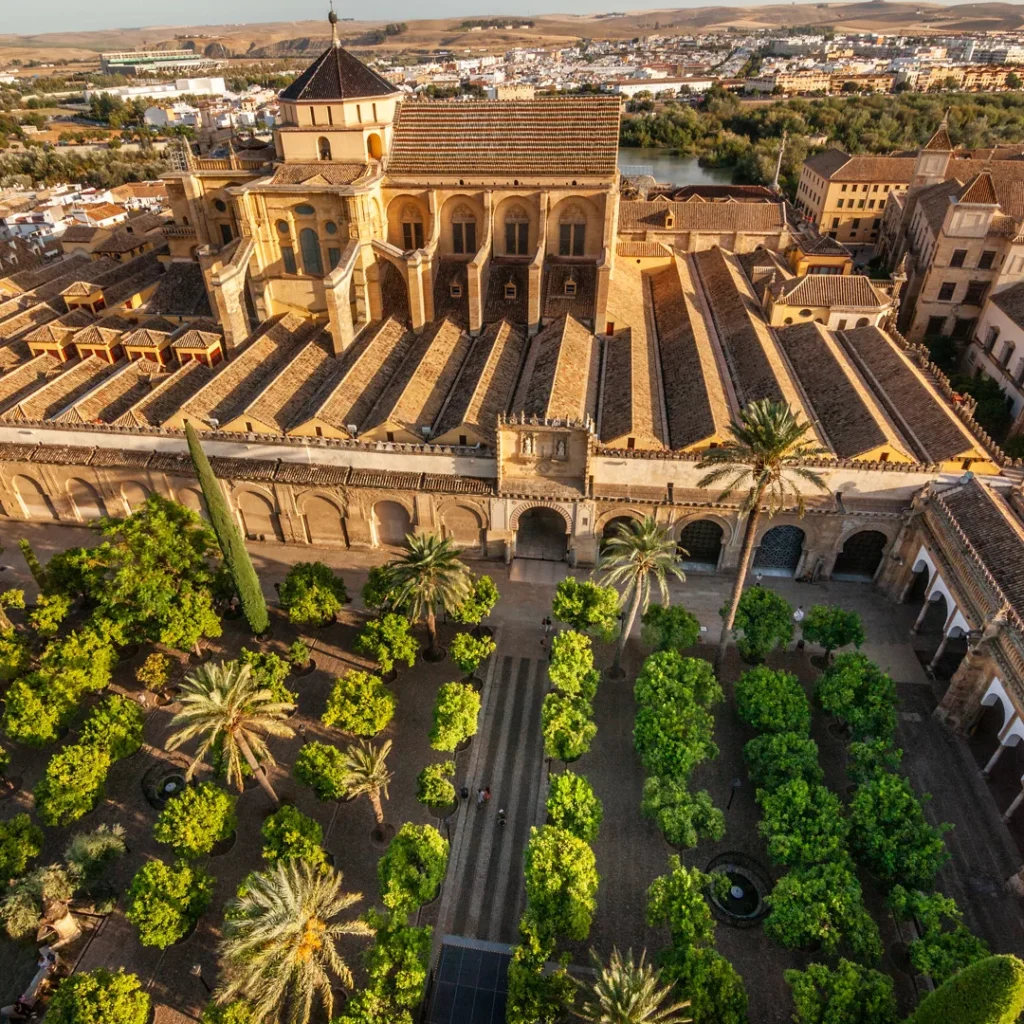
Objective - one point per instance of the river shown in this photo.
(667, 166)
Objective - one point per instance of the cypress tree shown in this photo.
(232, 545)
(34, 565)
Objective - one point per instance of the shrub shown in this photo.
(860, 695)
(115, 725)
(764, 620)
(778, 757)
(397, 964)
(387, 640)
(298, 654)
(865, 759)
(482, 599)
(20, 841)
(669, 628)
(22, 908)
(288, 834)
(683, 817)
(587, 607)
(830, 626)
(99, 997)
(561, 883)
(677, 900)
(802, 824)
(14, 654)
(322, 767)
(712, 985)
(573, 806)
(196, 819)
(572, 665)
(359, 704)
(50, 611)
(165, 902)
(771, 701)
(946, 945)
(567, 727)
(5, 761)
(311, 594)
(845, 994)
(235, 1012)
(412, 868)
(81, 662)
(73, 783)
(469, 652)
(433, 787)
(35, 710)
(890, 836)
(377, 590)
(89, 853)
(269, 670)
(154, 672)
(990, 991)
(667, 676)
(455, 716)
(822, 903)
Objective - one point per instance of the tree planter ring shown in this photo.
(839, 731)
(443, 813)
(434, 656)
(381, 835)
(225, 845)
(188, 935)
(11, 787)
(128, 652)
(266, 637)
(306, 669)
(463, 746)
(390, 676)
(481, 631)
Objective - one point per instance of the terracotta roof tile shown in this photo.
(559, 378)
(853, 290)
(321, 173)
(337, 75)
(556, 302)
(167, 396)
(761, 218)
(60, 391)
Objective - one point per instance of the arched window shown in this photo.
(572, 232)
(412, 227)
(373, 146)
(993, 337)
(1008, 350)
(463, 230)
(309, 243)
(517, 232)
(862, 321)
(324, 147)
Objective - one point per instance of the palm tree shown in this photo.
(280, 943)
(628, 993)
(224, 704)
(367, 773)
(768, 444)
(428, 576)
(638, 553)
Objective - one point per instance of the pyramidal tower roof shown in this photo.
(337, 75)
(940, 140)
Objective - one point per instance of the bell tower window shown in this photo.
(323, 145)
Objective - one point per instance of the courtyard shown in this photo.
(483, 894)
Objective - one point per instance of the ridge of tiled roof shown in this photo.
(337, 75)
(329, 173)
(637, 215)
(827, 162)
(59, 330)
(980, 190)
(559, 378)
(563, 136)
(824, 245)
(940, 141)
(830, 290)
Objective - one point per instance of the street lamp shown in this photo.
(736, 783)
(196, 970)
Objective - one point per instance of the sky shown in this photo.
(19, 17)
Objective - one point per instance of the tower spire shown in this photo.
(333, 19)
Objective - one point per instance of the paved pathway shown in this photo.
(484, 896)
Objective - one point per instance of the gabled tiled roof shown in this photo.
(337, 75)
(559, 379)
(1011, 302)
(980, 190)
(940, 141)
(321, 173)
(823, 245)
(58, 331)
(180, 292)
(572, 135)
(830, 290)
(636, 215)
(835, 165)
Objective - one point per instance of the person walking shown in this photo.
(501, 817)
(798, 617)
(487, 793)
(479, 797)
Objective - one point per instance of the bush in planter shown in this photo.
(397, 964)
(890, 836)
(587, 607)
(433, 787)
(567, 726)
(378, 590)
(990, 991)
(299, 655)
(50, 611)
(561, 883)
(115, 724)
(469, 652)
(165, 902)
(802, 823)
(683, 817)
(289, 834)
(848, 993)
(771, 701)
(359, 704)
(270, 671)
(678, 901)
(865, 759)
(387, 640)
(669, 627)
(20, 841)
(482, 598)
(830, 626)
(99, 997)
(764, 620)
(778, 757)
(667, 677)
(196, 819)
(311, 594)
(822, 904)
(73, 783)
(412, 868)
(235, 1012)
(22, 910)
(712, 985)
(15, 655)
(154, 672)
(36, 710)
(455, 716)
(572, 663)
(89, 853)
(946, 945)
(573, 806)
(860, 695)
(321, 766)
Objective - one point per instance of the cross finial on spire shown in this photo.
(333, 19)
